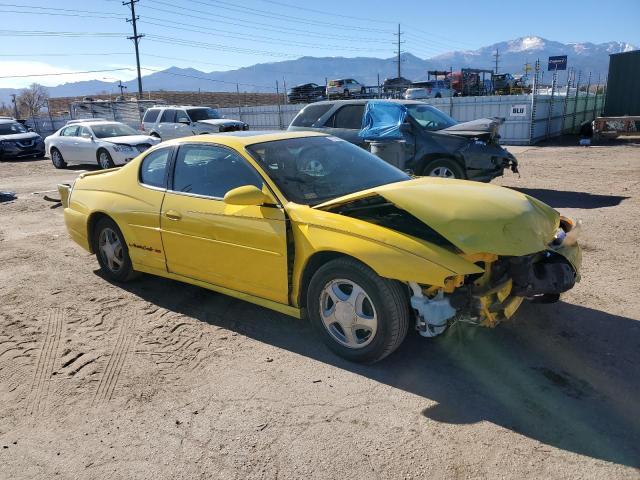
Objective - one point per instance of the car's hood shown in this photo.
(131, 139)
(20, 136)
(483, 127)
(475, 217)
(219, 121)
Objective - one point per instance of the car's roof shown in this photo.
(179, 106)
(8, 120)
(244, 138)
(93, 122)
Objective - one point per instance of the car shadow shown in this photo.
(562, 374)
(568, 199)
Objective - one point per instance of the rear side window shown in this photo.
(70, 131)
(349, 117)
(151, 115)
(168, 116)
(310, 115)
(153, 170)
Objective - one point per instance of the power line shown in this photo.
(267, 14)
(136, 39)
(64, 73)
(58, 9)
(250, 23)
(332, 14)
(272, 40)
(60, 14)
(43, 33)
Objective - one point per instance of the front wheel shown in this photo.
(112, 251)
(104, 159)
(444, 168)
(359, 315)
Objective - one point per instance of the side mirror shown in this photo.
(246, 195)
(186, 121)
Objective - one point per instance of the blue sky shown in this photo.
(225, 34)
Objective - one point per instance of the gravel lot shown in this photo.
(156, 379)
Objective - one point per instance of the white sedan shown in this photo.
(96, 141)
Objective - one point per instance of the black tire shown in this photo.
(125, 271)
(57, 159)
(363, 91)
(346, 93)
(434, 167)
(388, 298)
(104, 159)
(438, 95)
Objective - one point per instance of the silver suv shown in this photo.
(167, 122)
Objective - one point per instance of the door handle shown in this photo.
(172, 215)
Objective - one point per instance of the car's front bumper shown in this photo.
(492, 166)
(13, 150)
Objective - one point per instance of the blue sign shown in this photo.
(557, 63)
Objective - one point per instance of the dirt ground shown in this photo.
(156, 379)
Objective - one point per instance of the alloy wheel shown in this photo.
(443, 172)
(348, 313)
(111, 249)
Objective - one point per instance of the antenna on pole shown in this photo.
(497, 57)
(136, 40)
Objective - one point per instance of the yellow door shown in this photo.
(243, 248)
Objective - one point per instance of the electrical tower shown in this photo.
(497, 57)
(399, 51)
(136, 40)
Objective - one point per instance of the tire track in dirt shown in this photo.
(39, 390)
(123, 345)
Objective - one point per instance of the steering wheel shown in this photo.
(312, 161)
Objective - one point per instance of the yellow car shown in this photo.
(314, 226)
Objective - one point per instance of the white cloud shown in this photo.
(18, 67)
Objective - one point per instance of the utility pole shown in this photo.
(136, 39)
(121, 87)
(399, 35)
(497, 56)
(15, 105)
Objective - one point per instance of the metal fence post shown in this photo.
(575, 103)
(595, 101)
(586, 100)
(534, 101)
(279, 109)
(566, 101)
(550, 113)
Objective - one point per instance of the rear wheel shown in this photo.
(112, 252)
(359, 315)
(57, 159)
(444, 168)
(104, 159)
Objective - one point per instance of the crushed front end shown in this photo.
(488, 298)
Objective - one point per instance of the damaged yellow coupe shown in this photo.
(313, 226)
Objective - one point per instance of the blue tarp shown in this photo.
(382, 120)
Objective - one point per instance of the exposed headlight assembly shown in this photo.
(567, 233)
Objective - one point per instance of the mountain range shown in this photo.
(513, 55)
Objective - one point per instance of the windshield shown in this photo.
(313, 170)
(197, 114)
(108, 130)
(430, 117)
(12, 128)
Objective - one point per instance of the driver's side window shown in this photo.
(212, 171)
(182, 117)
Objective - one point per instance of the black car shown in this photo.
(307, 92)
(434, 143)
(17, 141)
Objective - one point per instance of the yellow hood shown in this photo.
(475, 217)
